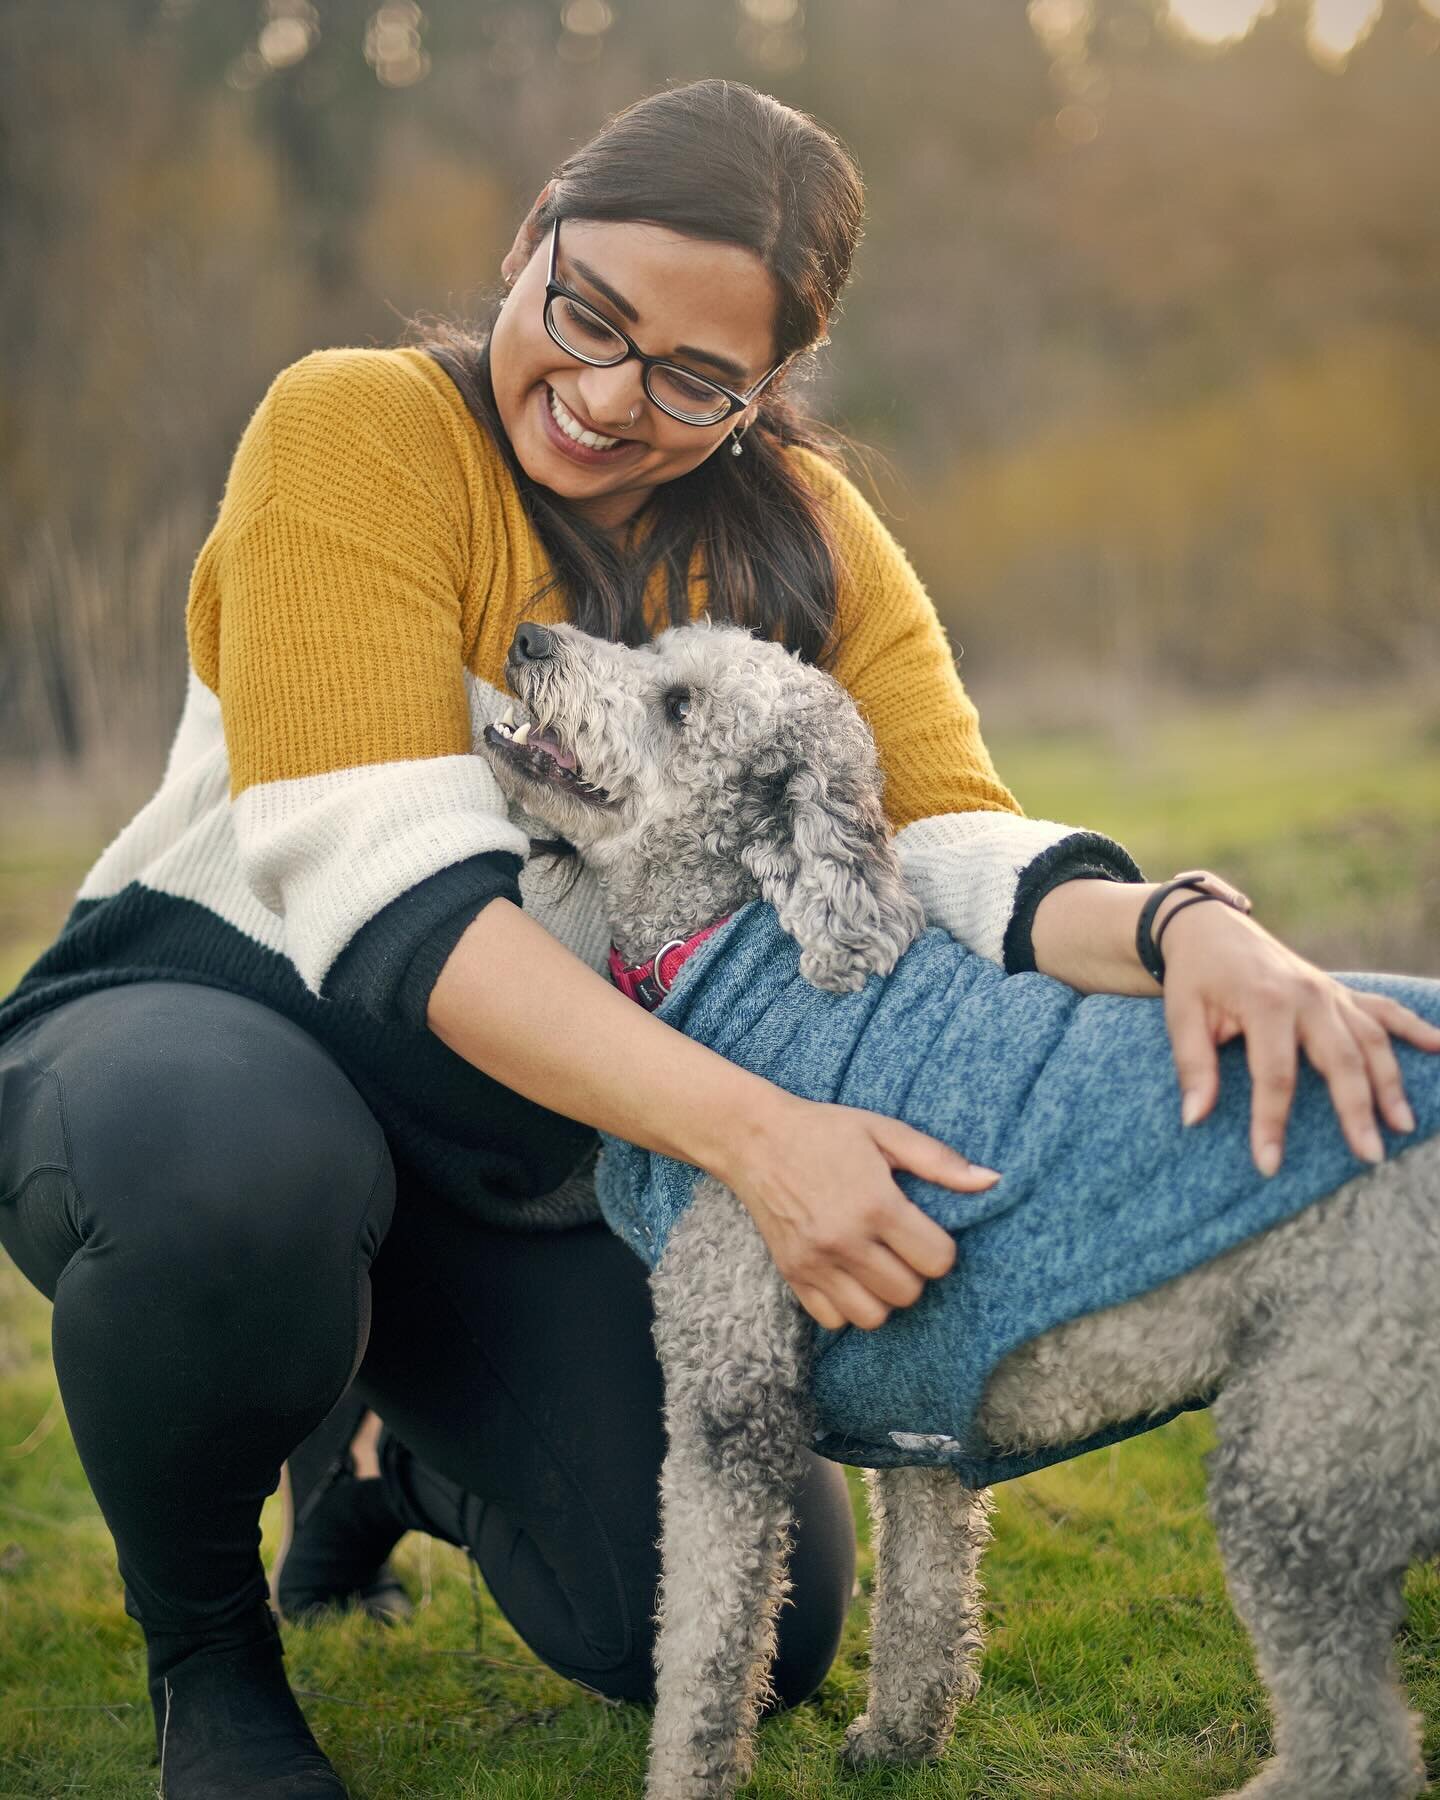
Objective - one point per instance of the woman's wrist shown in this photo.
(1180, 894)
(734, 1136)
(1085, 932)
(1084, 935)
(1187, 928)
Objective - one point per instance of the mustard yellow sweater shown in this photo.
(371, 531)
(324, 833)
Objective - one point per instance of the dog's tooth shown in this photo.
(521, 735)
(508, 717)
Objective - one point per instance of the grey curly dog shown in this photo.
(674, 769)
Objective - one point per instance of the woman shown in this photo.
(297, 1090)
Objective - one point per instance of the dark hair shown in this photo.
(712, 160)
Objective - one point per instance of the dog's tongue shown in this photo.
(551, 745)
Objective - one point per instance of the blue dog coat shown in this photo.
(1103, 1194)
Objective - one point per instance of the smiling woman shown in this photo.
(299, 1156)
(652, 331)
(601, 403)
(577, 395)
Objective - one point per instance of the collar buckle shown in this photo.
(646, 982)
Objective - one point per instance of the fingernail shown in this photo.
(1189, 1108)
(1405, 1116)
(1268, 1160)
(1370, 1146)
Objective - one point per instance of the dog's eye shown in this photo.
(677, 705)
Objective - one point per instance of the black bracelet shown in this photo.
(1206, 886)
(1194, 900)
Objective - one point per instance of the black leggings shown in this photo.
(209, 1204)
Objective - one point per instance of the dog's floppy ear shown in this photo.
(821, 855)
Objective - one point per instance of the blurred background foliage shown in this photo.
(1146, 326)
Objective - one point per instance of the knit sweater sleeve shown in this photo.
(978, 866)
(327, 615)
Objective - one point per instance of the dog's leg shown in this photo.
(734, 1345)
(926, 1631)
(1322, 1615)
(1326, 1486)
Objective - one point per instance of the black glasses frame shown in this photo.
(557, 290)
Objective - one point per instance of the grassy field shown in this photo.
(1115, 1666)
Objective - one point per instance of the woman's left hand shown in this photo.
(1225, 976)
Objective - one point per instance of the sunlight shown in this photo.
(1217, 21)
(1336, 26)
(1060, 25)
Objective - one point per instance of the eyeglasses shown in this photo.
(588, 336)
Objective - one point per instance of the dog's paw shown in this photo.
(691, 1772)
(1389, 1781)
(866, 1744)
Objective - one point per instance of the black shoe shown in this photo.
(336, 1531)
(227, 1726)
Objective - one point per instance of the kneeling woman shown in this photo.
(305, 1091)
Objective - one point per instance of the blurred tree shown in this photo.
(321, 113)
(1136, 316)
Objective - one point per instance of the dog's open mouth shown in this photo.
(536, 751)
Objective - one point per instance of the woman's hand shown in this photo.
(818, 1180)
(1226, 976)
(819, 1183)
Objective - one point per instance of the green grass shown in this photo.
(1115, 1666)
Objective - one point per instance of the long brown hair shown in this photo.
(712, 160)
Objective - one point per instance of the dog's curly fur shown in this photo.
(731, 771)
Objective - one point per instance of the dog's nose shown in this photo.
(532, 643)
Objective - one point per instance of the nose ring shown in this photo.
(632, 415)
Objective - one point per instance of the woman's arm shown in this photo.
(1227, 977)
(817, 1179)
(327, 617)
(1018, 890)
(1084, 935)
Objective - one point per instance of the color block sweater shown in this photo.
(323, 833)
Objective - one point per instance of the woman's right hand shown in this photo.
(819, 1182)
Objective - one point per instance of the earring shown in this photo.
(736, 447)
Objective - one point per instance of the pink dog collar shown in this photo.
(649, 982)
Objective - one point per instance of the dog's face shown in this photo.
(681, 730)
(713, 767)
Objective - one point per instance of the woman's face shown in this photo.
(710, 307)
